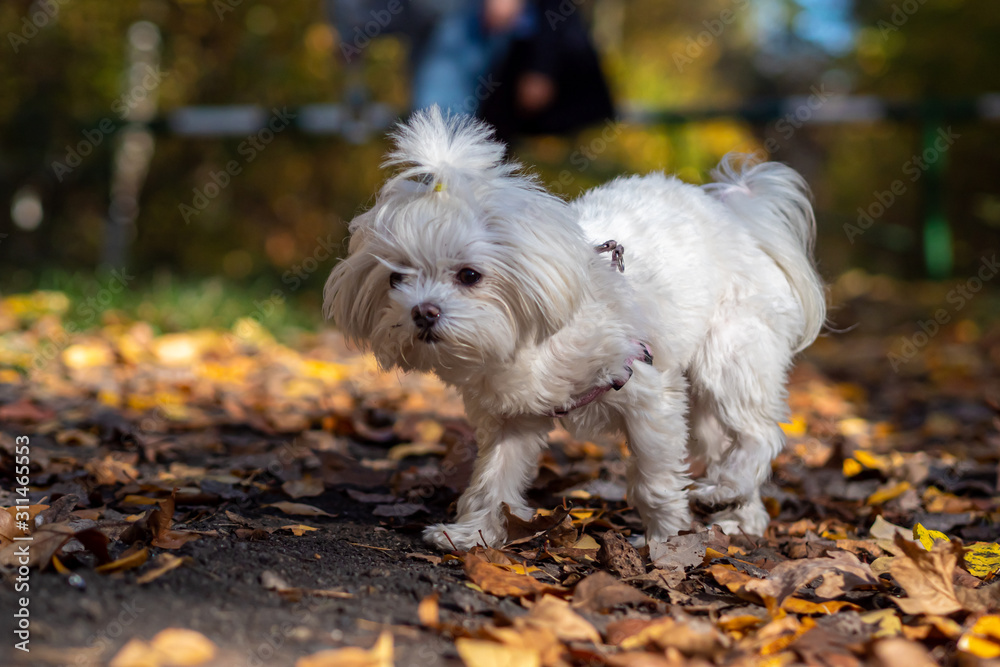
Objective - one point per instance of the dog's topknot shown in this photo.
(442, 150)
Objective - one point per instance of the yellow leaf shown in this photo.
(800, 606)
(298, 530)
(555, 615)
(164, 563)
(886, 494)
(479, 653)
(982, 558)
(983, 639)
(125, 563)
(183, 647)
(380, 655)
(872, 461)
(886, 620)
(586, 542)
(428, 612)
(795, 428)
(852, 468)
(927, 538)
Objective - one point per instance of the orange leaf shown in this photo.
(496, 581)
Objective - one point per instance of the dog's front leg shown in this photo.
(508, 455)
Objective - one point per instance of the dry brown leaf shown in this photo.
(164, 563)
(926, 576)
(480, 653)
(298, 509)
(399, 509)
(172, 647)
(691, 636)
(497, 581)
(684, 551)
(524, 636)
(601, 591)
(428, 612)
(841, 572)
(46, 541)
(183, 647)
(555, 614)
(127, 562)
(380, 655)
(619, 557)
(898, 652)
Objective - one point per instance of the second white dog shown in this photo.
(468, 269)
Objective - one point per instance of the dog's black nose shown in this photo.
(425, 315)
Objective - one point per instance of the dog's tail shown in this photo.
(773, 201)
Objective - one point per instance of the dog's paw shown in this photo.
(461, 536)
(751, 518)
(711, 498)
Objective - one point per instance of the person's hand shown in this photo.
(500, 15)
(535, 91)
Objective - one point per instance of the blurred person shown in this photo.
(550, 77)
(452, 56)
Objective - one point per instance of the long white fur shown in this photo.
(719, 283)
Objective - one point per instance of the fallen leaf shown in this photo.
(983, 638)
(982, 558)
(480, 653)
(164, 563)
(428, 612)
(298, 530)
(556, 615)
(886, 621)
(172, 647)
(601, 591)
(497, 581)
(926, 576)
(841, 572)
(129, 562)
(619, 557)
(308, 487)
(898, 652)
(927, 538)
(380, 655)
(182, 647)
(692, 636)
(46, 541)
(298, 509)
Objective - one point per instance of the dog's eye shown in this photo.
(395, 279)
(468, 276)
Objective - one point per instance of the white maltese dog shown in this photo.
(469, 269)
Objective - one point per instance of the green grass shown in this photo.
(171, 303)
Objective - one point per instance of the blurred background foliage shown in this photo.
(256, 238)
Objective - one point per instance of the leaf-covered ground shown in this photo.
(215, 497)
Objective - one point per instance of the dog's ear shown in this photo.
(355, 290)
(547, 259)
(444, 151)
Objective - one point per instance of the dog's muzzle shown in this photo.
(425, 316)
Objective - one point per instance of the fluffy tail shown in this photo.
(773, 201)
